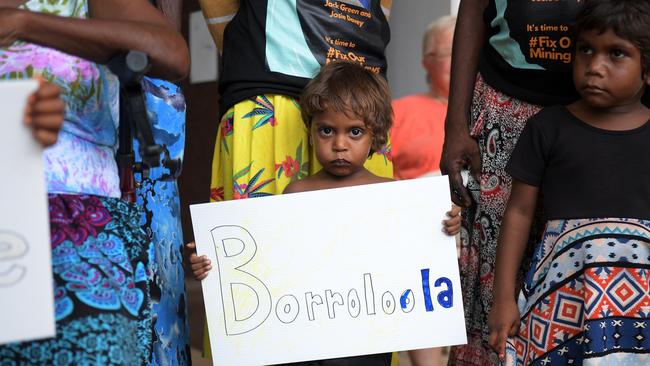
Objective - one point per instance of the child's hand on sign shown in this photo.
(200, 266)
(44, 113)
(451, 226)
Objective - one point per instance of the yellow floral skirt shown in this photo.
(262, 146)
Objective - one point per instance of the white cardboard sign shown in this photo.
(330, 273)
(26, 298)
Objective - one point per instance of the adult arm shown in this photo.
(218, 14)
(460, 149)
(503, 320)
(114, 26)
(173, 10)
(386, 5)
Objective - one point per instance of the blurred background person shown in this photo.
(418, 128)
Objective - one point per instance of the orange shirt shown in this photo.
(417, 135)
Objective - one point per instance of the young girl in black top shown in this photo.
(586, 296)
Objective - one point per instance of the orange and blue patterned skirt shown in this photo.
(586, 298)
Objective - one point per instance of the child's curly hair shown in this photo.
(350, 88)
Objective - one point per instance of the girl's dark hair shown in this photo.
(629, 19)
(351, 89)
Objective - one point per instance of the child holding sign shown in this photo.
(348, 112)
(586, 296)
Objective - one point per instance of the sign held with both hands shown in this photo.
(331, 273)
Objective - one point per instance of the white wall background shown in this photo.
(408, 21)
(454, 6)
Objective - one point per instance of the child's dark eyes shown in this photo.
(326, 131)
(618, 53)
(585, 49)
(356, 132)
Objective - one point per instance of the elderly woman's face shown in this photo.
(437, 61)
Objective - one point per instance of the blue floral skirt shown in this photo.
(161, 218)
(101, 287)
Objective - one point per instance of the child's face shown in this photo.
(342, 143)
(607, 70)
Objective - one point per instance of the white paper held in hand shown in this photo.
(27, 300)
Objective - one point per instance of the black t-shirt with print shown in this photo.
(529, 49)
(584, 171)
(280, 53)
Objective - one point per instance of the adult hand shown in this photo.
(44, 113)
(503, 322)
(460, 151)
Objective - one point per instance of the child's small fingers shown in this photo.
(452, 221)
(47, 91)
(29, 110)
(452, 230)
(199, 275)
(450, 214)
(203, 259)
(52, 121)
(28, 120)
(455, 210)
(45, 137)
(196, 262)
(191, 245)
(200, 263)
(199, 271)
(48, 106)
(195, 258)
(447, 224)
(31, 100)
